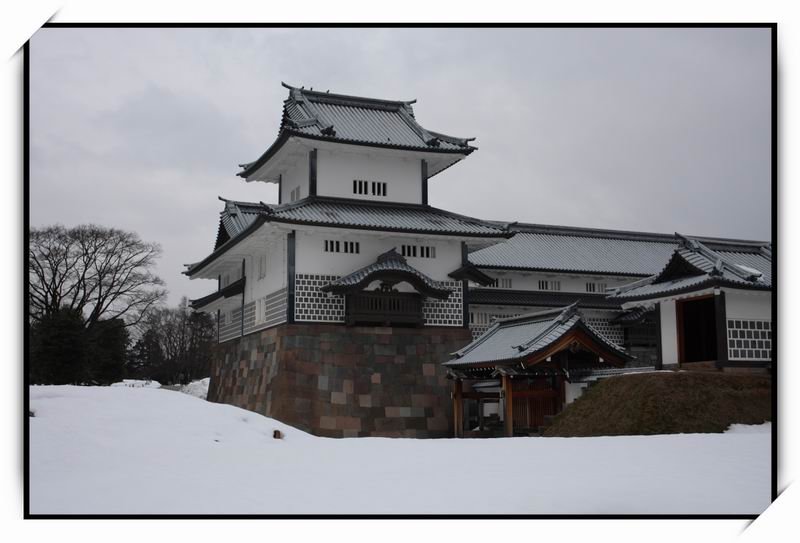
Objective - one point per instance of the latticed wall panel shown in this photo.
(749, 339)
(448, 312)
(313, 305)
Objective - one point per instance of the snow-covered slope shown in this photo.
(198, 389)
(137, 450)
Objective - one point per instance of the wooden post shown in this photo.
(312, 172)
(660, 348)
(508, 398)
(559, 397)
(424, 177)
(720, 318)
(458, 409)
(679, 329)
(480, 414)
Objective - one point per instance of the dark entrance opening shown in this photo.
(698, 330)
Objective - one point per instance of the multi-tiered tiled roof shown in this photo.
(355, 120)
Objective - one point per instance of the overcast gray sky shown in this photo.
(644, 129)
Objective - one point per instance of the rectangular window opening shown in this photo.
(347, 247)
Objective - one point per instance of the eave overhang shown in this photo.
(355, 214)
(551, 331)
(249, 169)
(703, 284)
(634, 316)
(375, 228)
(234, 289)
(566, 271)
(390, 268)
(194, 269)
(579, 333)
(694, 267)
(533, 298)
(470, 272)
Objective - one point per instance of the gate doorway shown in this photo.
(697, 330)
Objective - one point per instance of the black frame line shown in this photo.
(503, 25)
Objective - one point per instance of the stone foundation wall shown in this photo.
(338, 381)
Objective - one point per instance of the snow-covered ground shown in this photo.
(124, 450)
(198, 389)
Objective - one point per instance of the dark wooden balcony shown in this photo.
(384, 309)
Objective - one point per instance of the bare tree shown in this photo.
(184, 339)
(104, 273)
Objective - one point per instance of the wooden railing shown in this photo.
(384, 308)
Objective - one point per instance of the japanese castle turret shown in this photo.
(344, 307)
(337, 304)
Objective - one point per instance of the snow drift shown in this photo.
(198, 389)
(119, 450)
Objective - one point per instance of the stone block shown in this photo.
(349, 423)
(421, 400)
(384, 350)
(298, 368)
(327, 423)
(389, 424)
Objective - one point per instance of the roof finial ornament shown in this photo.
(686, 241)
(231, 209)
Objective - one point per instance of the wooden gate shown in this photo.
(533, 400)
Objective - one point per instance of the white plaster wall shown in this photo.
(294, 177)
(569, 282)
(233, 271)
(740, 304)
(481, 314)
(483, 309)
(275, 277)
(312, 258)
(669, 333)
(336, 172)
(573, 391)
(491, 408)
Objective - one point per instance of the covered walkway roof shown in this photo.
(532, 338)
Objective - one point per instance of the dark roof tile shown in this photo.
(532, 298)
(391, 263)
(693, 266)
(357, 120)
(517, 338)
